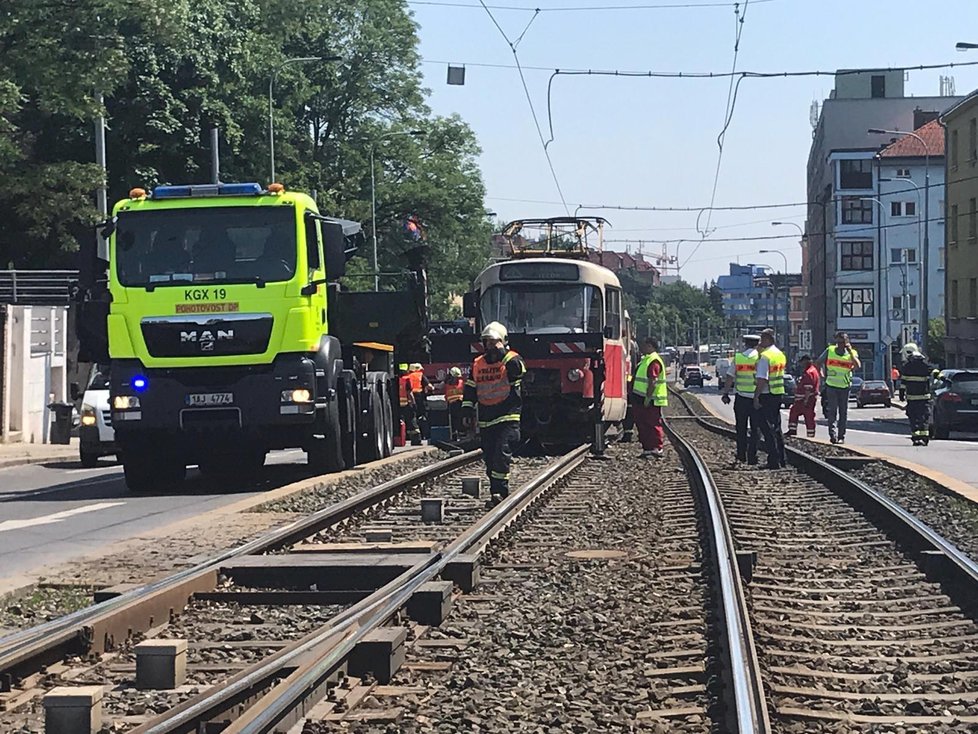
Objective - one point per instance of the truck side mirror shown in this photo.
(470, 305)
(334, 250)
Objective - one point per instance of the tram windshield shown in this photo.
(544, 309)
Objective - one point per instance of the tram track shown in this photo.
(863, 616)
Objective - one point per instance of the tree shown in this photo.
(715, 295)
(170, 74)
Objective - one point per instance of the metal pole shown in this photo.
(373, 218)
(215, 157)
(271, 126)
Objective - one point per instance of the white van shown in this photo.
(96, 435)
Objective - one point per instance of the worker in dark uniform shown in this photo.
(916, 374)
(406, 401)
(494, 388)
(421, 388)
(454, 394)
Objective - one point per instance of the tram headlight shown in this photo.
(574, 375)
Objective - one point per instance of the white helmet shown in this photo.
(416, 367)
(495, 330)
(909, 350)
(455, 372)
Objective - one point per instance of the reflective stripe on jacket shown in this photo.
(776, 363)
(838, 368)
(640, 385)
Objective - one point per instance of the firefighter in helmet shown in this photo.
(916, 374)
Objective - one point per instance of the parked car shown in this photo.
(96, 435)
(857, 383)
(693, 375)
(789, 390)
(955, 403)
(873, 392)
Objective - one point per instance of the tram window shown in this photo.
(544, 308)
(612, 316)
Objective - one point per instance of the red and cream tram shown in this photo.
(566, 318)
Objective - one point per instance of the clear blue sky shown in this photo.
(652, 142)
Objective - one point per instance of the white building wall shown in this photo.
(35, 342)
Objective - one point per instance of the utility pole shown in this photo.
(101, 193)
(215, 157)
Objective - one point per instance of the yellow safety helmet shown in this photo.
(495, 330)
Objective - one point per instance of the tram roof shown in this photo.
(542, 269)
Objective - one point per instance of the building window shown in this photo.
(896, 255)
(877, 86)
(973, 297)
(856, 174)
(903, 173)
(954, 149)
(954, 223)
(856, 302)
(973, 140)
(941, 258)
(911, 256)
(856, 210)
(954, 299)
(972, 218)
(896, 208)
(913, 301)
(857, 255)
(897, 303)
(903, 208)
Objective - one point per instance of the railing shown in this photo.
(37, 287)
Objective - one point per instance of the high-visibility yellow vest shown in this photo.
(838, 368)
(640, 385)
(745, 378)
(776, 363)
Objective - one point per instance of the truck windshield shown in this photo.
(544, 309)
(206, 245)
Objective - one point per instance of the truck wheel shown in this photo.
(89, 459)
(348, 438)
(388, 424)
(325, 451)
(372, 445)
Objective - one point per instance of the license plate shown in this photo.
(203, 400)
(974, 401)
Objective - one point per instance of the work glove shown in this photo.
(725, 400)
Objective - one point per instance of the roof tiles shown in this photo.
(909, 147)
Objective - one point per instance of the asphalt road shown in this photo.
(56, 512)
(885, 431)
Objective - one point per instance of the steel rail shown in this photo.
(48, 641)
(747, 713)
(323, 651)
(938, 555)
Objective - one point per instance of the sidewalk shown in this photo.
(19, 454)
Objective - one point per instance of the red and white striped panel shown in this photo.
(567, 347)
(476, 348)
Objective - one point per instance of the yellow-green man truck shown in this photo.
(228, 336)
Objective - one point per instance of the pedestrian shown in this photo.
(806, 395)
(916, 374)
(494, 388)
(421, 388)
(648, 397)
(895, 379)
(406, 401)
(454, 393)
(768, 394)
(741, 378)
(838, 361)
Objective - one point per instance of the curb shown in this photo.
(33, 460)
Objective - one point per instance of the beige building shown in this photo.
(961, 235)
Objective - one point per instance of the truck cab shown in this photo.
(222, 340)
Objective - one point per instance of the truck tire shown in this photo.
(348, 438)
(325, 450)
(388, 411)
(374, 431)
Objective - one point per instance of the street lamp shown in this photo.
(787, 322)
(883, 299)
(373, 194)
(804, 288)
(925, 254)
(271, 85)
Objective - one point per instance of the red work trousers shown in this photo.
(648, 421)
(804, 408)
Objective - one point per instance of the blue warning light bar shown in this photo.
(190, 191)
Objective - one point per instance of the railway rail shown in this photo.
(863, 615)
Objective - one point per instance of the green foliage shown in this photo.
(936, 331)
(169, 72)
(673, 312)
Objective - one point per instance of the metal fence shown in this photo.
(37, 287)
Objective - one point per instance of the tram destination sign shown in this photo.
(539, 271)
